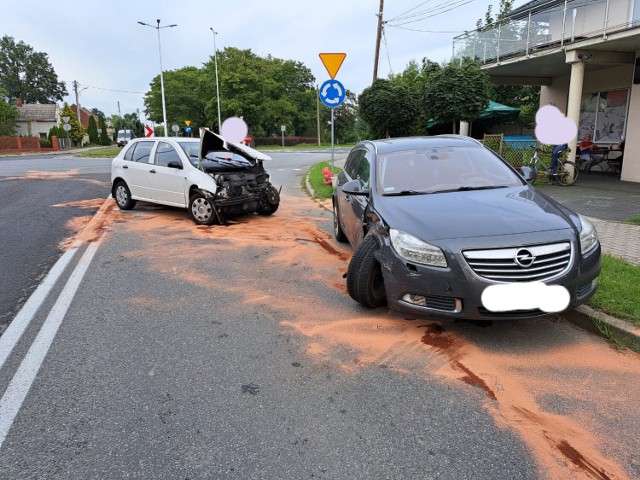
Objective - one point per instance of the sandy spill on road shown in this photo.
(513, 385)
(91, 228)
(64, 175)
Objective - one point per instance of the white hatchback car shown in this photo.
(210, 177)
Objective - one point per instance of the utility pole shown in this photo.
(75, 88)
(378, 38)
(119, 109)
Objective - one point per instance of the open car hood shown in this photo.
(212, 142)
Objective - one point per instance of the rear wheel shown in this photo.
(201, 209)
(122, 195)
(337, 226)
(365, 283)
(567, 173)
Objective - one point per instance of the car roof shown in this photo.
(387, 145)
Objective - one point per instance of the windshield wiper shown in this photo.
(406, 192)
(467, 188)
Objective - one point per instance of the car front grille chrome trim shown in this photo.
(501, 264)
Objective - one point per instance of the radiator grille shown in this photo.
(520, 264)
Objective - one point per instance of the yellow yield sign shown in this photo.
(187, 122)
(332, 62)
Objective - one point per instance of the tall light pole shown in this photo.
(215, 61)
(164, 106)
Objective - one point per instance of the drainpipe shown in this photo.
(606, 21)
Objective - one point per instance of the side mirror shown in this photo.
(528, 173)
(354, 187)
(175, 164)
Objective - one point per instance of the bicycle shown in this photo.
(566, 172)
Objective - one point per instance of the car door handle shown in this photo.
(152, 171)
(124, 166)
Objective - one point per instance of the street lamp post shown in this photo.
(164, 106)
(215, 61)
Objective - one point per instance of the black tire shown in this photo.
(201, 209)
(122, 196)
(364, 275)
(564, 177)
(338, 232)
(272, 201)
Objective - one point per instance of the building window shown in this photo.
(603, 115)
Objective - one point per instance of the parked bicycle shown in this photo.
(566, 172)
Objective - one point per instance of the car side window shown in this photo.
(142, 152)
(129, 153)
(352, 168)
(165, 153)
(363, 169)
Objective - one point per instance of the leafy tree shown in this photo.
(102, 124)
(27, 74)
(8, 117)
(92, 131)
(390, 108)
(97, 112)
(457, 92)
(344, 118)
(77, 131)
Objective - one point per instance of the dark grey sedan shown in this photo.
(435, 221)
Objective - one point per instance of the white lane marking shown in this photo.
(14, 331)
(21, 382)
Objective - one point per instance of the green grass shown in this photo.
(619, 289)
(108, 152)
(316, 180)
(635, 219)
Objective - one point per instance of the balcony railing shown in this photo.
(537, 30)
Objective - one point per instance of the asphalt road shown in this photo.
(37, 197)
(234, 352)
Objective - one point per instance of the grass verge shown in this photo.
(109, 152)
(303, 146)
(316, 180)
(619, 289)
(619, 342)
(635, 220)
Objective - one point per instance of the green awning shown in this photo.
(494, 113)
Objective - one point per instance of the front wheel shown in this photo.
(567, 173)
(201, 209)
(365, 283)
(271, 201)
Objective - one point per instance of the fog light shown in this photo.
(415, 299)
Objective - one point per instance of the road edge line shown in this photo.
(20, 384)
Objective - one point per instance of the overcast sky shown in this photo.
(101, 45)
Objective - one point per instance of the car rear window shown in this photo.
(430, 170)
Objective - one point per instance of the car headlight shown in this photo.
(588, 235)
(415, 250)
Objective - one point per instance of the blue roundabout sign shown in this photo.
(332, 93)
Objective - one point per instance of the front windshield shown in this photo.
(439, 169)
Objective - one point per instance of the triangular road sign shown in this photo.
(332, 62)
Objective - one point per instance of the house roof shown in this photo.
(534, 6)
(38, 113)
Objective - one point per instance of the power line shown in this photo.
(410, 10)
(107, 89)
(427, 31)
(384, 38)
(452, 6)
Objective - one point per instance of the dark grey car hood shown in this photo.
(502, 211)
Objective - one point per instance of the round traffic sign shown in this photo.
(175, 128)
(332, 93)
(66, 127)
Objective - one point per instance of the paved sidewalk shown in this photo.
(621, 240)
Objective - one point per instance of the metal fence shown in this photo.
(516, 151)
(65, 143)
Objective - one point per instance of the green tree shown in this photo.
(8, 117)
(457, 92)
(389, 108)
(102, 124)
(77, 131)
(92, 131)
(27, 74)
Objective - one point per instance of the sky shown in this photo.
(114, 59)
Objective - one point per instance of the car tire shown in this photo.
(272, 201)
(122, 196)
(201, 209)
(338, 232)
(365, 283)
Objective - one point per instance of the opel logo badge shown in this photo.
(524, 258)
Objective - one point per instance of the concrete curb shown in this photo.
(583, 316)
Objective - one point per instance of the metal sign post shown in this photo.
(332, 149)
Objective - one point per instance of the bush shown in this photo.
(45, 143)
(289, 141)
